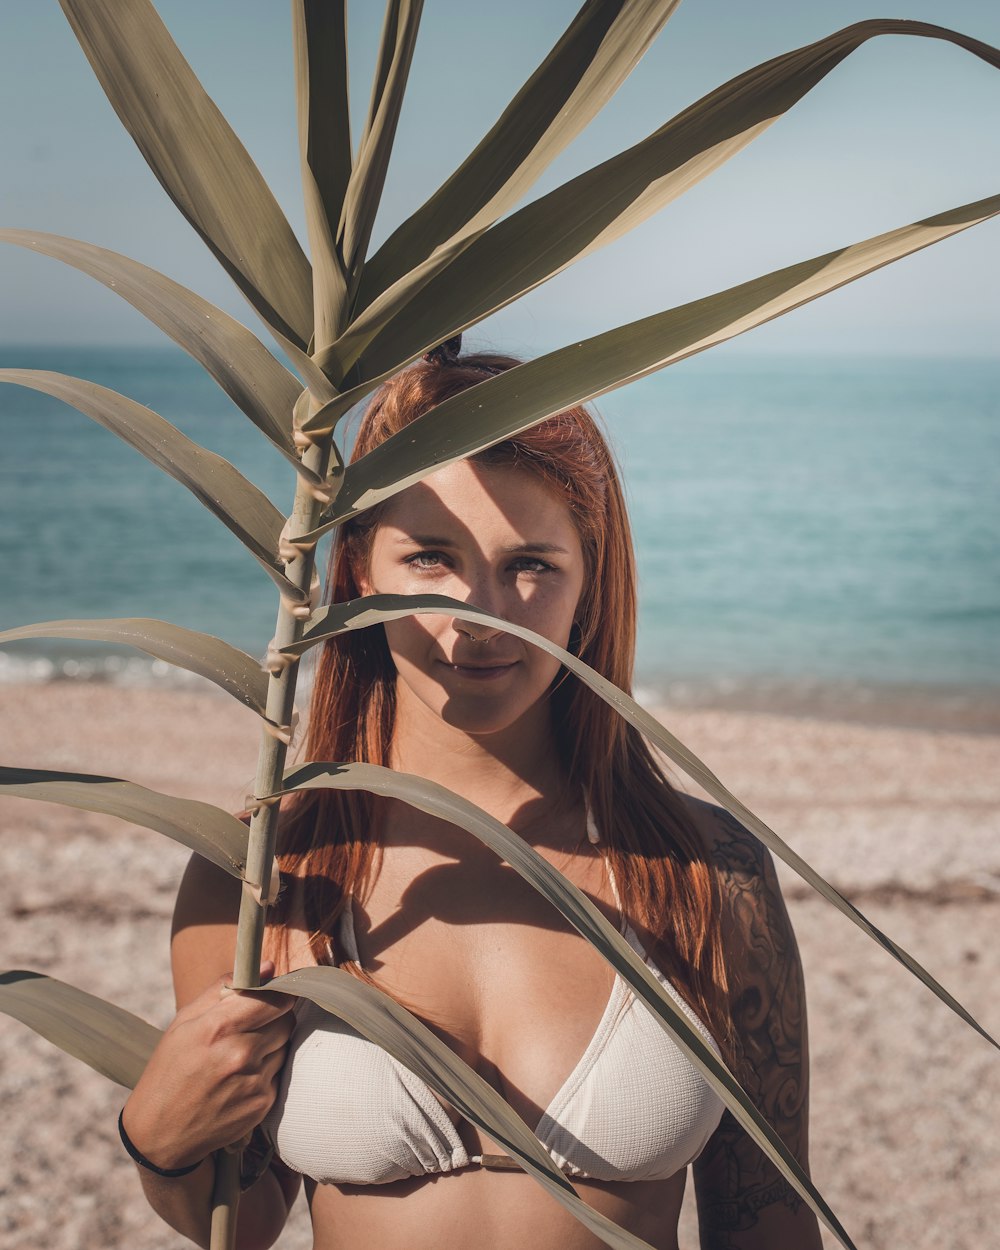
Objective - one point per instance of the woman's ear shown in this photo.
(360, 575)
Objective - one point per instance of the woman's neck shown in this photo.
(500, 772)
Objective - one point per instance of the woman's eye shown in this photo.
(530, 564)
(426, 560)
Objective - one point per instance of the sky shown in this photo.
(902, 129)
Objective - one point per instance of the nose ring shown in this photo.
(463, 627)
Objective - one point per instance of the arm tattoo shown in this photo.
(735, 1180)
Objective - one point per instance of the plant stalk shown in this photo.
(264, 821)
(225, 1198)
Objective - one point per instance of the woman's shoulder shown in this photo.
(752, 910)
(206, 916)
(729, 846)
(203, 933)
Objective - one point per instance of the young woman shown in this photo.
(535, 531)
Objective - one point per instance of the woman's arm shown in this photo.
(744, 1203)
(214, 1073)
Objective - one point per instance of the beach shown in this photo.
(903, 819)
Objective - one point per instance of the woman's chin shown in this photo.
(480, 702)
(471, 717)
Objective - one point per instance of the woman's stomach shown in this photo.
(501, 1210)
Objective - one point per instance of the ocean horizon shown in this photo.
(814, 534)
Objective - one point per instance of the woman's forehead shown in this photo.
(473, 496)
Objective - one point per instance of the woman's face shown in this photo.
(494, 537)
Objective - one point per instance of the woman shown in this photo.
(534, 531)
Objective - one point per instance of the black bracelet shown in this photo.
(141, 1159)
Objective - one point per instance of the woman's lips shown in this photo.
(482, 672)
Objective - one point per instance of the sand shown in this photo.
(906, 1098)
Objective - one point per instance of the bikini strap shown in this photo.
(594, 838)
(346, 940)
(623, 925)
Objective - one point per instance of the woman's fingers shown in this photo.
(251, 1010)
(214, 1074)
(244, 1008)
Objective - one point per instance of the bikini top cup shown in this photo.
(634, 1107)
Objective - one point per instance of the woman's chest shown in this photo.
(486, 962)
(472, 950)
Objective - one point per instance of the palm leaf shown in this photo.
(107, 1038)
(428, 796)
(599, 206)
(232, 670)
(399, 38)
(207, 830)
(197, 158)
(340, 618)
(502, 406)
(239, 505)
(320, 33)
(252, 378)
(593, 57)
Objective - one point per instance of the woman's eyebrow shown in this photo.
(425, 540)
(438, 540)
(541, 549)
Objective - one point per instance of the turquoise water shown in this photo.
(797, 520)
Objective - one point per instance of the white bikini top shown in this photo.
(634, 1108)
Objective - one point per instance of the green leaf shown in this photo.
(599, 206)
(196, 157)
(592, 59)
(399, 38)
(320, 32)
(232, 670)
(379, 1018)
(107, 1038)
(502, 406)
(339, 618)
(238, 504)
(207, 830)
(252, 378)
(573, 904)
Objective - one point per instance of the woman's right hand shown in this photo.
(213, 1076)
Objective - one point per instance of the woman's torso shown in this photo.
(474, 951)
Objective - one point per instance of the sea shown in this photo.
(814, 534)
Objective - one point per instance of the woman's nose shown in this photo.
(482, 594)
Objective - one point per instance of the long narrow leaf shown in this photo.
(252, 378)
(232, 670)
(239, 505)
(592, 210)
(339, 618)
(379, 1018)
(320, 32)
(107, 1038)
(592, 59)
(211, 832)
(573, 904)
(502, 406)
(196, 157)
(399, 38)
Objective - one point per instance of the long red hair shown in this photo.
(329, 839)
